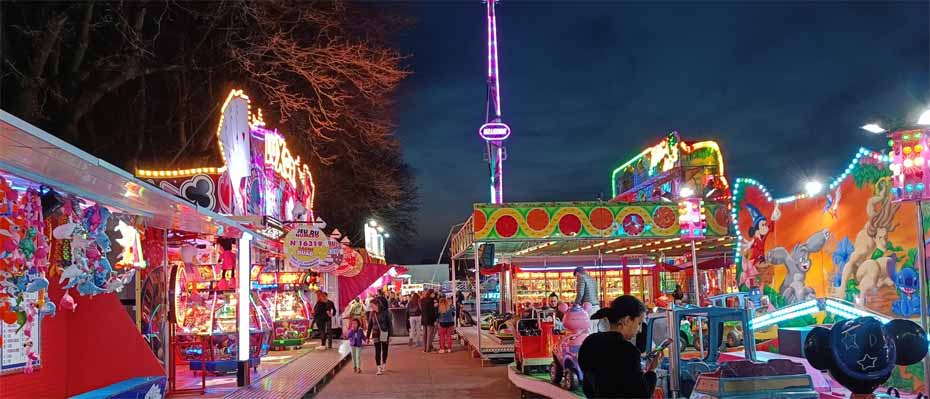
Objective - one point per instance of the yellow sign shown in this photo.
(306, 246)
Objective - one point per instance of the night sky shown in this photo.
(782, 87)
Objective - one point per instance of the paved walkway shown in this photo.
(414, 374)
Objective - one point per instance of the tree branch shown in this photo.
(83, 38)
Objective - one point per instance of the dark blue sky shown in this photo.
(782, 87)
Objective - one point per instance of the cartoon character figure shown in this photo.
(833, 202)
(754, 255)
(881, 209)
(565, 370)
(798, 262)
(907, 282)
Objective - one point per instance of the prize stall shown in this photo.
(75, 232)
(287, 297)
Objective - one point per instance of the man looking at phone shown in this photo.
(609, 360)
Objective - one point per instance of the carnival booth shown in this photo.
(76, 231)
(287, 297)
(670, 210)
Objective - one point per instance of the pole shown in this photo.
(922, 271)
(477, 298)
(697, 296)
(455, 290)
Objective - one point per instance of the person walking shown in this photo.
(586, 292)
(323, 313)
(416, 328)
(379, 332)
(356, 337)
(428, 319)
(446, 321)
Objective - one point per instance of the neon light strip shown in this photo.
(783, 314)
(785, 310)
(492, 55)
(861, 313)
(687, 149)
(567, 268)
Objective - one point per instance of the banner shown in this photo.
(306, 247)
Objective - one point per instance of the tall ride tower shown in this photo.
(494, 131)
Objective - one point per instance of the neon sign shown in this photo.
(494, 131)
(279, 158)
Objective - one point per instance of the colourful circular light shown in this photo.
(909, 188)
(918, 148)
(908, 163)
(920, 187)
(918, 161)
(891, 143)
(916, 136)
(905, 137)
(907, 150)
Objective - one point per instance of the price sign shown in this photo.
(306, 247)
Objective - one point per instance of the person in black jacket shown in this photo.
(610, 361)
(428, 318)
(323, 313)
(379, 332)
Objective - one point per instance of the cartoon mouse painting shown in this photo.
(798, 262)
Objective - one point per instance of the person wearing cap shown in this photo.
(586, 291)
(609, 360)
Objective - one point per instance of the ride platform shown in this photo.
(491, 349)
(537, 384)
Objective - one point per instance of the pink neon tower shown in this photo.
(494, 131)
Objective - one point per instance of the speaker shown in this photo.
(486, 256)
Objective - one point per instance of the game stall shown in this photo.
(625, 244)
(287, 297)
(75, 232)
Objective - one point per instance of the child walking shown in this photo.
(356, 338)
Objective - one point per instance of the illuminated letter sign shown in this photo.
(494, 131)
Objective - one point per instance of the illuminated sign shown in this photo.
(909, 166)
(691, 218)
(494, 131)
(279, 158)
(280, 278)
(306, 246)
(271, 228)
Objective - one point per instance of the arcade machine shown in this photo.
(284, 294)
(204, 322)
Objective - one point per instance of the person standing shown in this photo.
(606, 356)
(446, 321)
(416, 328)
(323, 313)
(428, 319)
(379, 332)
(586, 292)
(356, 337)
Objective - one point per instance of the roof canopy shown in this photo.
(35, 155)
(587, 230)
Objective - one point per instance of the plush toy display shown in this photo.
(861, 353)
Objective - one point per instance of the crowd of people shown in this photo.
(429, 315)
(610, 350)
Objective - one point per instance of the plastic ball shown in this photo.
(910, 341)
(817, 349)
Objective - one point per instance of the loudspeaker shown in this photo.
(486, 256)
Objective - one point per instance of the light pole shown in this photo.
(911, 182)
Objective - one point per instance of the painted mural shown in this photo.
(852, 242)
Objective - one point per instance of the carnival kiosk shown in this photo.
(286, 296)
(534, 247)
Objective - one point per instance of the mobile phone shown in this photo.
(658, 349)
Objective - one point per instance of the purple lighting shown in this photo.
(494, 131)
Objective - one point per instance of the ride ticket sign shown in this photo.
(306, 246)
(494, 131)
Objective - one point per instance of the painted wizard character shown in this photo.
(754, 254)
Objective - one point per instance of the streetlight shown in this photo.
(380, 229)
(813, 188)
(874, 128)
(372, 223)
(386, 235)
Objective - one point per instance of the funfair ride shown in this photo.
(494, 131)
